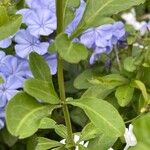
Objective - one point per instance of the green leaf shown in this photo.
(89, 132)
(31, 142)
(82, 80)
(4, 16)
(47, 123)
(41, 90)
(97, 91)
(70, 51)
(8, 138)
(10, 27)
(99, 10)
(102, 142)
(39, 67)
(52, 48)
(24, 114)
(140, 146)
(141, 86)
(60, 148)
(61, 130)
(129, 64)
(79, 117)
(142, 132)
(102, 114)
(81, 147)
(124, 95)
(110, 81)
(46, 144)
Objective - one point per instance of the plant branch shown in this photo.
(60, 28)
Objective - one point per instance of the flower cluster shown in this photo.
(40, 20)
(103, 38)
(14, 70)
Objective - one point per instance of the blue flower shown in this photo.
(145, 27)
(41, 22)
(6, 42)
(52, 62)
(2, 55)
(25, 13)
(36, 4)
(78, 16)
(118, 32)
(102, 39)
(26, 43)
(40, 17)
(8, 89)
(12, 66)
(2, 118)
(148, 25)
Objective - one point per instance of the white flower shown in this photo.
(129, 137)
(110, 149)
(76, 139)
(130, 19)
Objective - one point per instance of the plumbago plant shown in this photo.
(73, 76)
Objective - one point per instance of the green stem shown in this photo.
(60, 28)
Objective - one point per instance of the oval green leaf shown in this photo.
(24, 114)
(102, 114)
(70, 51)
(124, 95)
(41, 90)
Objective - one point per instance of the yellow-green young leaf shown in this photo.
(141, 128)
(3, 15)
(141, 86)
(97, 10)
(102, 114)
(24, 114)
(70, 51)
(124, 95)
(46, 144)
(41, 90)
(10, 27)
(129, 64)
(110, 81)
(39, 67)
